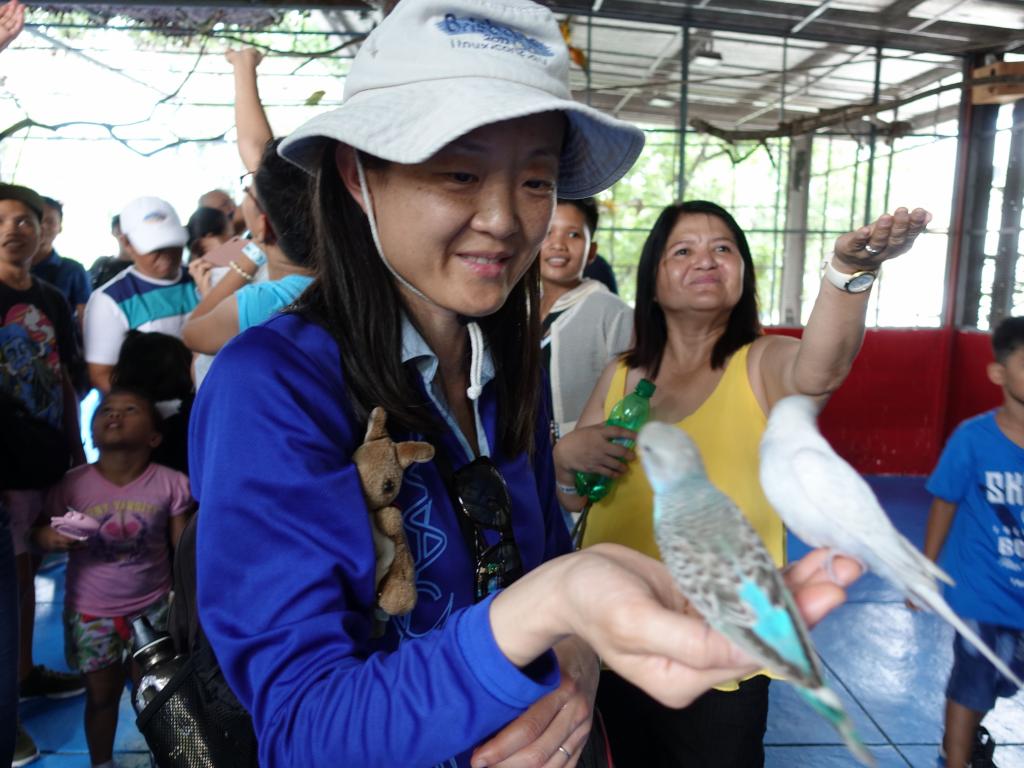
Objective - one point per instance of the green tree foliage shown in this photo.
(743, 180)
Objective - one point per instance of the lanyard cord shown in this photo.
(476, 336)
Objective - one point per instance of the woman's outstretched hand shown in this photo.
(627, 607)
(891, 235)
(12, 20)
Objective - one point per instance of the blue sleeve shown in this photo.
(952, 475)
(81, 288)
(285, 570)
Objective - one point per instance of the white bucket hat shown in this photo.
(435, 70)
(150, 224)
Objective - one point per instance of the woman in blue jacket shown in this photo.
(433, 186)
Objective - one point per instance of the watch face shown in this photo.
(860, 282)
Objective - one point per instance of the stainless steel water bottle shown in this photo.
(155, 655)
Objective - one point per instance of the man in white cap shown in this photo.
(154, 294)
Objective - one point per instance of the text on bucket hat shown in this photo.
(433, 71)
(25, 196)
(150, 224)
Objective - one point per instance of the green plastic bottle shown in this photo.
(630, 412)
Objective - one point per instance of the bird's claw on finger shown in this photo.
(830, 571)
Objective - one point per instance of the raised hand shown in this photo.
(12, 20)
(891, 235)
(248, 58)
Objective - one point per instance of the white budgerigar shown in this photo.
(723, 568)
(826, 502)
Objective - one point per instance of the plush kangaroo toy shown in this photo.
(381, 463)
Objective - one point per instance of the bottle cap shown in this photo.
(143, 631)
(146, 640)
(645, 388)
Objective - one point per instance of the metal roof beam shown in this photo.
(763, 17)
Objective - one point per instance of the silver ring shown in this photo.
(568, 754)
(872, 250)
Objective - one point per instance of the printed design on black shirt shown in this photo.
(29, 361)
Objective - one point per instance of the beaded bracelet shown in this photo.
(241, 272)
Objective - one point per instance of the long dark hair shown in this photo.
(282, 190)
(355, 298)
(648, 318)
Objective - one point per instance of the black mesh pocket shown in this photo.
(185, 730)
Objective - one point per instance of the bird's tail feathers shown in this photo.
(925, 563)
(826, 703)
(937, 604)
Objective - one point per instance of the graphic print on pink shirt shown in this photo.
(123, 530)
(126, 566)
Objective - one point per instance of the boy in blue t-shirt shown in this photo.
(977, 523)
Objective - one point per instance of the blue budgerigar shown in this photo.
(723, 568)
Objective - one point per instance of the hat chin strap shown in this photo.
(476, 337)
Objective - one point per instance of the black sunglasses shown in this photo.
(483, 499)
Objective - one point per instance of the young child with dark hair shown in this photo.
(160, 366)
(976, 534)
(139, 509)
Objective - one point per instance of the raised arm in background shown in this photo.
(250, 119)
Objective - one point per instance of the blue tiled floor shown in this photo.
(889, 666)
(56, 725)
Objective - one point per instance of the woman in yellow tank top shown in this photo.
(698, 338)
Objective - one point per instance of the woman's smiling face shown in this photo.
(465, 225)
(701, 267)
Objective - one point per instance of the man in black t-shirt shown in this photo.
(37, 345)
(37, 340)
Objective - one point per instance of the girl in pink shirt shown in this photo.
(123, 569)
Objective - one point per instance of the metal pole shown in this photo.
(590, 53)
(778, 280)
(794, 252)
(872, 138)
(856, 181)
(824, 197)
(977, 186)
(885, 207)
(1008, 252)
(684, 96)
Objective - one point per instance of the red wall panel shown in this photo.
(906, 392)
(970, 390)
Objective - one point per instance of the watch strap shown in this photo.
(842, 280)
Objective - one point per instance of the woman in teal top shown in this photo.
(276, 212)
